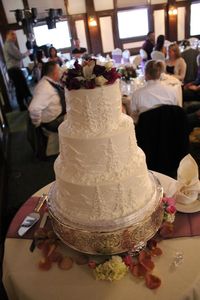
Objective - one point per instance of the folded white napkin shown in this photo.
(188, 184)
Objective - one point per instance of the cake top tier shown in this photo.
(92, 112)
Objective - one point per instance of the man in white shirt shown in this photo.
(154, 93)
(48, 106)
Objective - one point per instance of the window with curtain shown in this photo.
(59, 37)
(194, 19)
(133, 23)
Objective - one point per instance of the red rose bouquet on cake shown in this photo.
(89, 75)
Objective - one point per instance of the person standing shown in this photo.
(78, 51)
(190, 56)
(13, 58)
(149, 44)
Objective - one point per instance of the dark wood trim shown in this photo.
(150, 15)
(94, 32)
(187, 19)
(25, 3)
(117, 41)
(132, 7)
(104, 13)
(3, 21)
(159, 6)
(171, 29)
(66, 7)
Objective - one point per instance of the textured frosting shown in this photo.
(101, 173)
(93, 112)
(93, 159)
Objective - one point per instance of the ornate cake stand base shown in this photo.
(128, 238)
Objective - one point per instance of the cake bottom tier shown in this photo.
(125, 234)
(106, 202)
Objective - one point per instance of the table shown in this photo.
(24, 281)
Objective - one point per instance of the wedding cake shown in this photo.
(101, 174)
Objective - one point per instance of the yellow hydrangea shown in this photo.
(113, 269)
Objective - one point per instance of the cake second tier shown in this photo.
(99, 158)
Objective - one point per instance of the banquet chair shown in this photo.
(43, 142)
(136, 60)
(163, 135)
(143, 54)
(126, 56)
(117, 55)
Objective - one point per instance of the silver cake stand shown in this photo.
(130, 236)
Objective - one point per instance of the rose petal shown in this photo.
(148, 264)
(128, 260)
(55, 256)
(144, 255)
(92, 264)
(44, 264)
(152, 281)
(156, 252)
(66, 263)
(138, 270)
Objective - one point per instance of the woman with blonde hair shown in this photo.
(175, 64)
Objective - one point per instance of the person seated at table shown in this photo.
(78, 51)
(53, 56)
(149, 44)
(38, 65)
(154, 93)
(175, 64)
(159, 51)
(191, 90)
(190, 56)
(48, 106)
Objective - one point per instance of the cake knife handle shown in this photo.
(43, 198)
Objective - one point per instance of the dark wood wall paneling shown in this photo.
(94, 32)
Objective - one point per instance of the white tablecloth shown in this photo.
(24, 281)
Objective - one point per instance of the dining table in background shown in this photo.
(23, 280)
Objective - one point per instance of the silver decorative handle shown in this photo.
(40, 203)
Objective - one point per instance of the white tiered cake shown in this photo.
(101, 173)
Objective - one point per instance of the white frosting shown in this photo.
(101, 173)
(93, 112)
